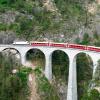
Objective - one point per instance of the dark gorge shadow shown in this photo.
(60, 68)
(84, 65)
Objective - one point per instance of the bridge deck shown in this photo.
(61, 45)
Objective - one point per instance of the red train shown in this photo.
(64, 45)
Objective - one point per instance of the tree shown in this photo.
(11, 85)
(92, 95)
(84, 73)
(86, 39)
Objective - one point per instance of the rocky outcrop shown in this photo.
(8, 17)
(33, 87)
(7, 37)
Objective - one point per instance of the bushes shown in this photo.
(60, 63)
(20, 5)
(92, 95)
(7, 2)
(84, 73)
(71, 10)
(13, 86)
(86, 39)
(23, 74)
(3, 27)
(45, 89)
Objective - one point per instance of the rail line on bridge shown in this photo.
(67, 45)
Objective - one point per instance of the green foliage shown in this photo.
(20, 5)
(71, 10)
(45, 89)
(96, 39)
(60, 63)
(13, 86)
(84, 73)
(86, 39)
(23, 74)
(24, 27)
(3, 27)
(29, 26)
(43, 21)
(77, 40)
(7, 2)
(92, 95)
(97, 43)
(96, 36)
(15, 27)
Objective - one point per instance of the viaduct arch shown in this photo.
(32, 55)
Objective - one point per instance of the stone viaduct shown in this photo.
(48, 50)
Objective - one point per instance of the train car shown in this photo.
(77, 46)
(21, 43)
(93, 48)
(35, 43)
(53, 44)
(62, 45)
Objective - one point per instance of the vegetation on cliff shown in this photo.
(13, 79)
(45, 19)
(45, 89)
